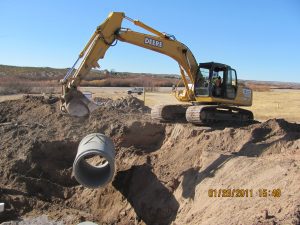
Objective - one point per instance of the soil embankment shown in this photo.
(164, 171)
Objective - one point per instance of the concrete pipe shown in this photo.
(94, 165)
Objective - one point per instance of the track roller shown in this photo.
(203, 114)
(169, 113)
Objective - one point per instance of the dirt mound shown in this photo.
(49, 161)
(164, 171)
(128, 103)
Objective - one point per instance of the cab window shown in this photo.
(202, 82)
(231, 79)
(231, 84)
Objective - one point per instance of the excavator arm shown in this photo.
(75, 103)
(164, 45)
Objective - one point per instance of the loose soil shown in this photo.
(164, 171)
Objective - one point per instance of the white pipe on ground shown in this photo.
(1, 207)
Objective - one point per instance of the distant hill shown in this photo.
(45, 76)
(47, 73)
(14, 77)
(262, 85)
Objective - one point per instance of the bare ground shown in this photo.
(164, 171)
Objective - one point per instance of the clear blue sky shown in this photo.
(260, 38)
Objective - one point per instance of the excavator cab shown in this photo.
(216, 80)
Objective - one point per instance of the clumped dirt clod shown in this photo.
(164, 171)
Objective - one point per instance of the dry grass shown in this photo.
(16, 86)
(277, 104)
(15, 80)
(266, 104)
(259, 87)
(131, 81)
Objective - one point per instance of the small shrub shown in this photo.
(15, 88)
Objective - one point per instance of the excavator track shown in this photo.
(169, 113)
(203, 114)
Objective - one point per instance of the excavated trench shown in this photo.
(50, 162)
(158, 175)
(45, 175)
(144, 136)
(151, 200)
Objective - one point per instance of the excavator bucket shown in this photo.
(77, 104)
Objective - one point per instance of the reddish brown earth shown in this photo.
(164, 171)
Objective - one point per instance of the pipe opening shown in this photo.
(96, 160)
(93, 169)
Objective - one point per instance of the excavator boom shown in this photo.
(213, 98)
(104, 37)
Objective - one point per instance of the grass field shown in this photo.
(266, 105)
(277, 104)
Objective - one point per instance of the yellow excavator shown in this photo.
(212, 89)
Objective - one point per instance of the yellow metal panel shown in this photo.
(243, 98)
